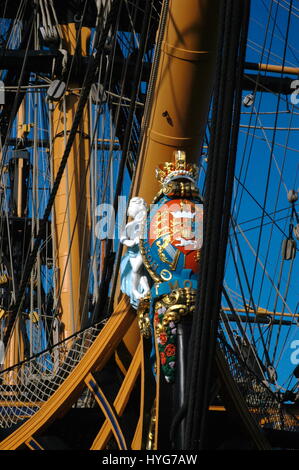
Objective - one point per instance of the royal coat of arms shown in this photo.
(170, 246)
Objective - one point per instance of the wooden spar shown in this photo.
(72, 204)
(182, 91)
(21, 122)
(15, 349)
(272, 68)
(261, 311)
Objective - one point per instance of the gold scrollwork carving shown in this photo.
(177, 304)
(143, 317)
(179, 189)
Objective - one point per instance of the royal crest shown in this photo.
(170, 247)
(171, 171)
(173, 238)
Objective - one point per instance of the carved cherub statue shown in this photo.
(134, 281)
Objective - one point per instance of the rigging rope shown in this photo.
(220, 177)
(89, 77)
(272, 158)
(266, 60)
(104, 286)
(144, 125)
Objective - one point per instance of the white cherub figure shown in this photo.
(134, 281)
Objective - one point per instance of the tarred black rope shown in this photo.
(210, 182)
(88, 81)
(218, 202)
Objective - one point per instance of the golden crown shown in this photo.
(169, 171)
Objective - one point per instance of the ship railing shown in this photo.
(26, 386)
(263, 404)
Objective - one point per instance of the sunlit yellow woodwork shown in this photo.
(32, 444)
(137, 442)
(108, 411)
(216, 408)
(131, 339)
(120, 401)
(274, 68)
(182, 90)
(69, 35)
(14, 352)
(72, 203)
(95, 359)
(261, 311)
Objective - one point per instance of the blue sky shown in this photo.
(266, 173)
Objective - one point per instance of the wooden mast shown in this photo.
(72, 203)
(15, 349)
(182, 90)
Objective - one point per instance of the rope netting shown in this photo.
(25, 387)
(262, 403)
